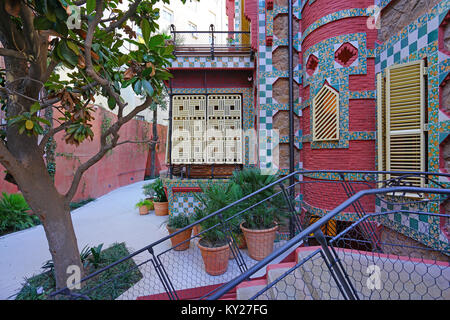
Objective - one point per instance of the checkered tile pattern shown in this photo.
(184, 203)
(207, 62)
(414, 222)
(418, 38)
(268, 141)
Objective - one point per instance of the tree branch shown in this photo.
(131, 11)
(151, 142)
(12, 54)
(8, 160)
(104, 147)
(51, 133)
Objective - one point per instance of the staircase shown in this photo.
(372, 275)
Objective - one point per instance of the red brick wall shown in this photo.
(339, 27)
(360, 155)
(362, 115)
(327, 195)
(251, 13)
(321, 8)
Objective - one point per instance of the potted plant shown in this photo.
(261, 223)
(160, 198)
(230, 42)
(214, 241)
(175, 223)
(214, 247)
(144, 206)
(148, 191)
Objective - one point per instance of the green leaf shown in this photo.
(45, 121)
(73, 47)
(156, 41)
(147, 87)
(111, 102)
(67, 54)
(51, 16)
(137, 87)
(61, 28)
(35, 107)
(145, 27)
(90, 6)
(42, 23)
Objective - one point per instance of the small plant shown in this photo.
(84, 255)
(158, 188)
(96, 257)
(178, 221)
(142, 203)
(213, 198)
(14, 213)
(126, 274)
(148, 191)
(266, 214)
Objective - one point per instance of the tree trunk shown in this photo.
(33, 179)
(153, 145)
(53, 210)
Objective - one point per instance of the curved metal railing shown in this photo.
(163, 269)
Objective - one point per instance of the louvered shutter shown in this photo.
(405, 115)
(381, 124)
(326, 115)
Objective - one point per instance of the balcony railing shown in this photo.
(210, 43)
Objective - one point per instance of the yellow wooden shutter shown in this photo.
(326, 114)
(381, 124)
(405, 115)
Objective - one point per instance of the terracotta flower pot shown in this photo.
(161, 208)
(215, 259)
(259, 242)
(179, 238)
(240, 241)
(143, 210)
(196, 230)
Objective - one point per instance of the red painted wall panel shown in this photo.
(200, 78)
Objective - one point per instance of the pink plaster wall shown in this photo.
(123, 165)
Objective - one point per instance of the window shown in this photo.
(206, 129)
(167, 15)
(326, 114)
(401, 120)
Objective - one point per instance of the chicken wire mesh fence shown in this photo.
(358, 265)
(335, 266)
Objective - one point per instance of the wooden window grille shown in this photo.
(210, 125)
(326, 114)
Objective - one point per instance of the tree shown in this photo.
(38, 44)
(159, 101)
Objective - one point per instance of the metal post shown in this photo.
(334, 267)
(211, 27)
(291, 97)
(170, 130)
(172, 30)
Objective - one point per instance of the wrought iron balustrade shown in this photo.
(210, 43)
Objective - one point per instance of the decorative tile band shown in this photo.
(217, 62)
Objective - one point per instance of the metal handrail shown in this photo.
(313, 229)
(296, 238)
(211, 47)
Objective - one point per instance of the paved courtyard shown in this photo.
(110, 218)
